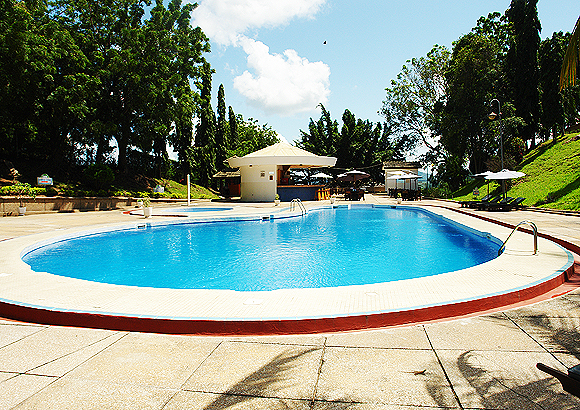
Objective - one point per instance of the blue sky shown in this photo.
(270, 56)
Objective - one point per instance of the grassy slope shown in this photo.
(552, 177)
(196, 191)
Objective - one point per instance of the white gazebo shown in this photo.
(262, 171)
(394, 169)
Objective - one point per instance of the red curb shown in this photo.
(278, 327)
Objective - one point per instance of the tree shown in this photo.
(550, 56)
(471, 78)
(221, 142)
(41, 92)
(232, 128)
(411, 102)
(359, 144)
(205, 131)
(522, 64)
(251, 136)
(322, 136)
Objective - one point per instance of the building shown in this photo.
(399, 168)
(264, 173)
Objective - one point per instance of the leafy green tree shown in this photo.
(522, 64)
(550, 56)
(111, 35)
(41, 92)
(205, 131)
(410, 106)
(251, 136)
(140, 71)
(359, 144)
(471, 77)
(322, 135)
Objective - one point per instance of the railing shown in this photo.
(296, 202)
(534, 229)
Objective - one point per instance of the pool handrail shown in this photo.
(534, 229)
(297, 202)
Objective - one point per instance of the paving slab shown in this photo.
(73, 394)
(481, 333)
(11, 332)
(197, 400)
(16, 388)
(164, 361)
(383, 376)
(556, 334)
(506, 380)
(412, 337)
(260, 369)
(366, 406)
(47, 346)
(69, 362)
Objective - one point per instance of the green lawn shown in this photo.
(552, 177)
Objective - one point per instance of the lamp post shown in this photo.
(492, 116)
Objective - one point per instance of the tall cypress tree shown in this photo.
(220, 135)
(205, 131)
(522, 63)
(233, 130)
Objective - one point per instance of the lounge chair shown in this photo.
(470, 204)
(483, 204)
(516, 203)
(570, 382)
(507, 205)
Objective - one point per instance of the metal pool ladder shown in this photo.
(296, 202)
(534, 229)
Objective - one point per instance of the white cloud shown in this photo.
(223, 21)
(282, 84)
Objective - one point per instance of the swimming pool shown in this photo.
(325, 248)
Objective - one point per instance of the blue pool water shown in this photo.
(326, 248)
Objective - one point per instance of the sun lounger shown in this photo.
(471, 204)
(507, 205)
(483, 204)
(570, 382)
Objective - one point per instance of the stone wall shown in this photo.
(9, 205)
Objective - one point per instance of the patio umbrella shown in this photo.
(503, 175)
(321, 175)
(353, 176)
(484, 175)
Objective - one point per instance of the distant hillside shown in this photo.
(552, 177)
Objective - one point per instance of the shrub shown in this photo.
(98, 176)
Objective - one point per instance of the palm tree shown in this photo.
(571, 60)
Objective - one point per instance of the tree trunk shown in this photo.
(122, 144)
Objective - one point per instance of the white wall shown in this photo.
(258, 183)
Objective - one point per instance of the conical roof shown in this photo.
(282, 153)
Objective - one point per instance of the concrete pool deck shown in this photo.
(479, 362)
